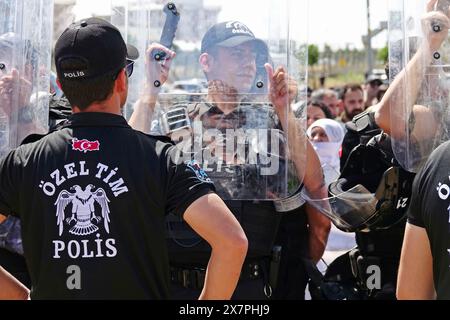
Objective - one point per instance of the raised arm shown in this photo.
(214, 222)
(406, 86)
(154, 71)
(283, 90)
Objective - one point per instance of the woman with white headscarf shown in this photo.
(326, 136)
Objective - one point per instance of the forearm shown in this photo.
(404, 89)
(318, 224)
(296, 140)
(318, 230)
(11, 288)
(309, 169)
(223, 273)
(143, 111)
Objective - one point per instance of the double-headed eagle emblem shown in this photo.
(83, 209)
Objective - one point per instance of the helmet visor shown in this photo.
(349, 210)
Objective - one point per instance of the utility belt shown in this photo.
(264, 269)
(194, 278)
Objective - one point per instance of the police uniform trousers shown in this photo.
(293, 238)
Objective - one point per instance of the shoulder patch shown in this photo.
(199, 172)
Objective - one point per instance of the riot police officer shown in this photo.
(99, 235)
(247, 168)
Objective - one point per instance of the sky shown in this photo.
(339, 23)
(343, 22)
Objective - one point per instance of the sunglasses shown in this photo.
(128, 69)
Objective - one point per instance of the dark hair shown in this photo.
(322, 106)
(84, 92)
(350, 88)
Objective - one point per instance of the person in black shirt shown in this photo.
(424, 266)
(93, 195)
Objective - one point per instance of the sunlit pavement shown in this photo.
(338, 243)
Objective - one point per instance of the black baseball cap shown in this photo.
(373, 78)
(229, 34)
(97, 47)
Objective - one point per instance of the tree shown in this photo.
(383, 54)
(327, 55)
(313, 59)
(313, 54)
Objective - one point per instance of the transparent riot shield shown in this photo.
(216, 102)
(25, 52)
(419, 56)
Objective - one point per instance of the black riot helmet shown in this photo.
(372, 192)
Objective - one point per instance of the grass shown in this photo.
(338, 80)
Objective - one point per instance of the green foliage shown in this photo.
(339, 80)
(313, 54)
(383, 54)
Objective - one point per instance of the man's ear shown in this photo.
(121, 83)
(206, 60)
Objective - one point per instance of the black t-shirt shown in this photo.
(430, 209)
(92, 199)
